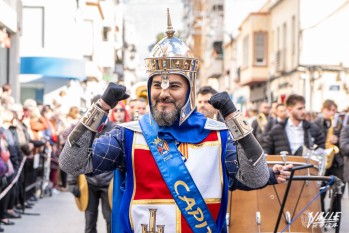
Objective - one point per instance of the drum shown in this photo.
(258, 210)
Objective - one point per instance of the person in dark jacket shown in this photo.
(295, 132)
(203, 106)
(331, 133)
(261, 125)
(98, 187)
(344, 147)
(281, 115)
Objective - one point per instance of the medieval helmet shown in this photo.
(172, 56)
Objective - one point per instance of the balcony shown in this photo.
(253, 75)
(214, 70)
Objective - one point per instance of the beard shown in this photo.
(299, 117)
(162, 117)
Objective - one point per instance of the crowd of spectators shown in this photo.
(31, 138)
(31, 141)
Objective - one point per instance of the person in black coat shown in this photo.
(331, 133)
(294, 133)
(261, 125)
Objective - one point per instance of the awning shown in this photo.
(53, 67)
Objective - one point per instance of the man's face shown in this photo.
(204, 107)
(297, 111)
(273, 108)
(264, 108)
(141, 107)
(281, 112)
(132, 107)
(166, 104)
(329, 112)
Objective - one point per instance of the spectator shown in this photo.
(6, 98)
(141, 107)
(260, 124)
(119, 114)
(294, 133)
(203, 106)
(131, 108)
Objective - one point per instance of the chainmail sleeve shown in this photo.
(87, 155)
(242, 173)
(74, 158)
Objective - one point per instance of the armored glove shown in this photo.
(223, 103)
(113, 93)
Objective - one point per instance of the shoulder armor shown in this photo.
(132, 125)
(214, 125)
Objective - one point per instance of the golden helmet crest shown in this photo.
(172, 56)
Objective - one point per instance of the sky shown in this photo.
(236, 11)
(144, 19)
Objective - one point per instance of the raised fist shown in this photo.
(223, 103)
(113, 93)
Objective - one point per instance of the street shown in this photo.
(58, 214)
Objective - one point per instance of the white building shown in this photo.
(289, 47)
(65, 43)
(10, 24)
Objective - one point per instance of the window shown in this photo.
(293, 34)
(334, 88)
(260, 49)
(105, 33)
(4, 65)
(245, 51)
(217, 8)
(33, 28)
(218, 49)
(284, 45)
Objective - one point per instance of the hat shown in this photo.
(29, 104)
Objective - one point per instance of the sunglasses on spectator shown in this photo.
(119, 110)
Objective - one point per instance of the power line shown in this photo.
(328, 16)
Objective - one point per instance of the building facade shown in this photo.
(10, 24)
(203, 21)
(285, 48)
(68, 46)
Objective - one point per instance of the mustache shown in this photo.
(164, 100)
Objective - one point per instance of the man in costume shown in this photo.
(97, 190)
(177, 161)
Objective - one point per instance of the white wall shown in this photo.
(62, 34)
(325, 36)
(149, 17)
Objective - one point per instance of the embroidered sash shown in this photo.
(178, 180)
